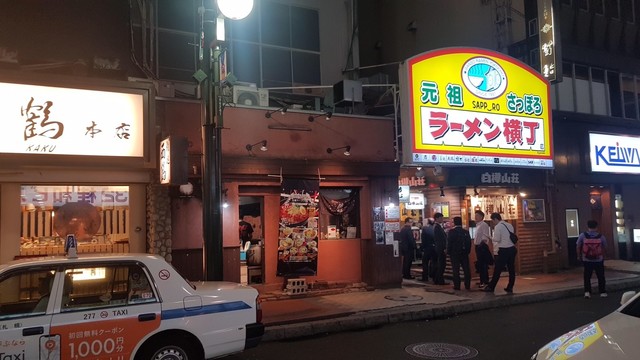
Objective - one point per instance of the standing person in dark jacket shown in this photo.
(407, 248)
(483, 252)
(458, 248)
(428, 247)
(441, 248)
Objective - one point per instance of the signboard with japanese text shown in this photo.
(547, 35)
(65, 121)
(416, 201)
(54, 196)
(479, 176)
(466, 106)
(165, 161)
(614, 153)
(174, 161)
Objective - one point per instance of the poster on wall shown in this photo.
(533, 210)
(391, 225)
(298, 238)
(378, 224)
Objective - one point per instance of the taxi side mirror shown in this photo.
(627, 296)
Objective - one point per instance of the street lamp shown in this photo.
(212, 130)
(235, 9)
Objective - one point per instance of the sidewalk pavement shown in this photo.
(306, 315)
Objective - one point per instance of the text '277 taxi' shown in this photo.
(120, 307)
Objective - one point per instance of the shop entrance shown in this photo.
(600, 210)
(251, 234)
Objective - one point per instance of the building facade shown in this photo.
(286, 55)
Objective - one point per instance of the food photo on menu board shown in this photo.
(298, 230)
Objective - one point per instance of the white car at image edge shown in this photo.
(613, 337)
(125, 306)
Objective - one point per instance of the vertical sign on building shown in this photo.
(548, 48)
(173, 161)
(165, 161)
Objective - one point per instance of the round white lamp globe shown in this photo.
(235, 9)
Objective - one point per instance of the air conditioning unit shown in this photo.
(250, 96)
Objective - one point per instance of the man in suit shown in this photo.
(441, 248)
(407, 248)
(428, 247)
(458, 248)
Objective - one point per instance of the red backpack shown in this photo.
(592, 246)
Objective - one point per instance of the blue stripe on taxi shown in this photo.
(207, 309)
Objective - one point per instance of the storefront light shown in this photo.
(523, 194)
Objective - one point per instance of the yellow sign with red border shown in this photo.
(467, 106)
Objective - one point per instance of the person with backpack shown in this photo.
(458, 248)
(591, 249)
(505, 252)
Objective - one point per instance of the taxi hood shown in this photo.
(220, 286)
(225, 290)
(612, 337)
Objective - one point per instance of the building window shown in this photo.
(581, 72)
(97, 215)
(612, 9)
(25, 293)
(567, 69)
(628, 11)
(597, 6)
(583, 5)
(629, 97)
(340, 213)
(534, 58)
(533, 27)
(105, 286)
(278, 45)
(615, 99)
(597, 75)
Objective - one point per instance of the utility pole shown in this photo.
(211, 49)
(211, 131)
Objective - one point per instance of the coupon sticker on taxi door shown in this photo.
(106, 339)
(50, 347)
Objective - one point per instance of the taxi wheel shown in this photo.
(171, 352)
(174, 350)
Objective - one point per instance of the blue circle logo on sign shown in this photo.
(484, 78)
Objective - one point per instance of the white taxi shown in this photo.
(117, 307)
(615, 336)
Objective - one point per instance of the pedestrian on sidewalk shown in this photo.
(428, 247)
(407, 248)
(591, 249)
(483, 252)
(505, 253)
(441, 248)
(458, 248)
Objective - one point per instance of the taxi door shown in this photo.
(26, 304)
(105, 311)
